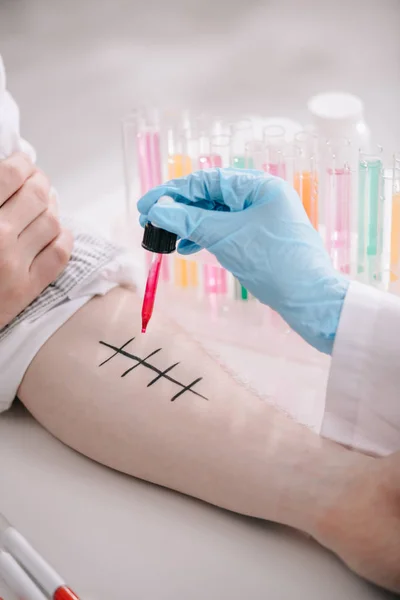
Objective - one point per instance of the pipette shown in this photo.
(32, 563)
(159, 242)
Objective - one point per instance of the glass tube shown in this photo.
(242, 134)
(395, 221)
(254, 155)
(275, 142)
(242, 137)
(142, 156)
(219, 126)
(290, 157)
(221, 148)
(370, 217)
(176, 127)
(207, 159)
(306, 173)
(179, 163)
(338, 180)
(215, 278)
(186, 273)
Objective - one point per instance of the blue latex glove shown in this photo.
(257, 228)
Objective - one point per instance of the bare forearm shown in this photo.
(215, 441)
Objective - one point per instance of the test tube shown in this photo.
(275, 142)
(221, 147)
(241, 158)
(242, 134)
(176, 133)
(207, 159)
(338, 180)
(185, 272)
(179, 163)
(395, 221)
(219, 126)
(370, 217)
(215, 278)
(254, 155)
(306, 173)
(142, 157)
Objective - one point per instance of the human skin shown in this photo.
(34, 247)
(231, 449)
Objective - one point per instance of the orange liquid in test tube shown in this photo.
(395, 237)
(179, 165)
(305, 184)
(186, 273)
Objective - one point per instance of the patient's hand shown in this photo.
(363, 526)
(34, 248)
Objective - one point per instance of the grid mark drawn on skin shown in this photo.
(144, 362)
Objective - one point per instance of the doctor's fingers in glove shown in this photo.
(203, 198)
(270, 208)
(34, 248)
(212, 189)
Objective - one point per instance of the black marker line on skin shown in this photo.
(144, 363)
(187, 388)
(141, 362)
(162, 374)
(116, 352)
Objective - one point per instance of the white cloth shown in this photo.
(362, 407)
(10, 139)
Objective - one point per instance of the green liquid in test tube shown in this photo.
(370, 219)
(242, 158)
(242, 162)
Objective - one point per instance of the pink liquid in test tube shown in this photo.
(276, 169)
(338, 234)
(148, 146)
(215, 281)
(209, 161)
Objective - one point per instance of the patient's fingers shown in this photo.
(30, 201)
(14, 171)
(51, 261)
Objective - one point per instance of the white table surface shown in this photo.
(112, 536)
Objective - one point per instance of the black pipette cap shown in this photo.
(158, 240)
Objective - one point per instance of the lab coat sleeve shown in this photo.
(10, 139)
(363, 397)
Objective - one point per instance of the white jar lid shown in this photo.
(336, 105)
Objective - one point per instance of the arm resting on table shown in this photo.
(158, 407)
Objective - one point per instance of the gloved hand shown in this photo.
(257, 228)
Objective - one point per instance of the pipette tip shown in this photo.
(145, 322)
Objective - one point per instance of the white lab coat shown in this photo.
(363, 396)
(362, 408)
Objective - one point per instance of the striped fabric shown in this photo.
(91, 253)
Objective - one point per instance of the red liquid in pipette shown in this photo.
(150, 291)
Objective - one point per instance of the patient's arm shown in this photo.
(158, 407)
